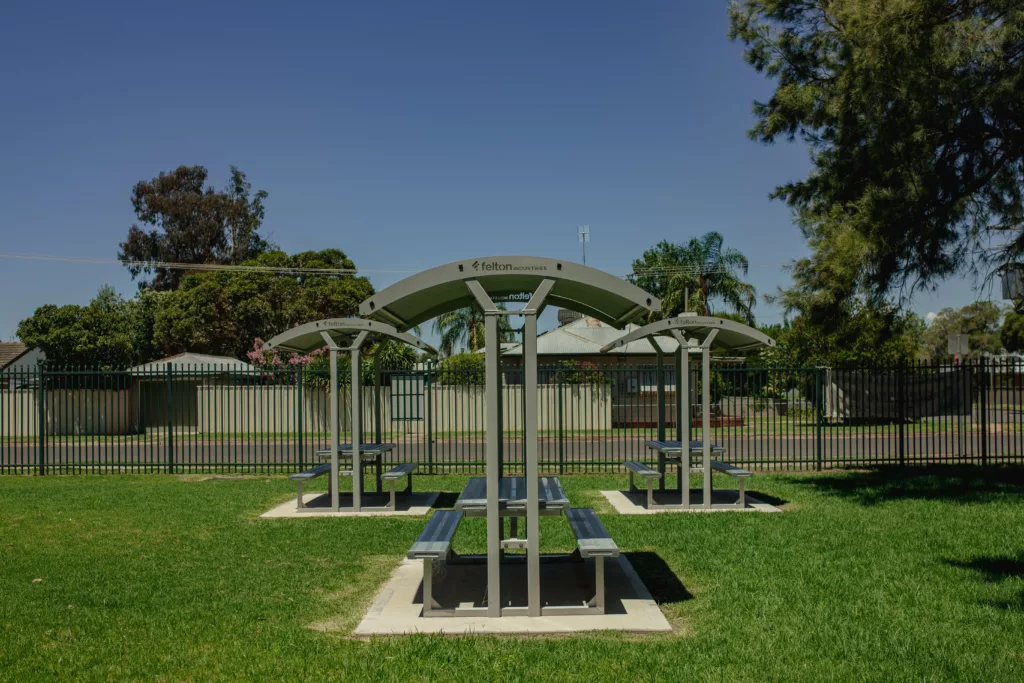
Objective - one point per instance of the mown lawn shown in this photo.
(883, 575)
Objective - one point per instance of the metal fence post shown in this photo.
(561, 425)
(170, 408)
(41, 430)
(984, 412)
(819, 401)
(430, 419)
(902, 414)
(298, 424)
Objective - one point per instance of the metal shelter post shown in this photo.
(705, 414)
(680, 397)
(683, 388)
(492, 361)
(376, 395)
(684, 414)
(333, 483)
(530, 446)
(357, 424)
(661, 387)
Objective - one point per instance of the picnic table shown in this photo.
(677, 452)
(671, 451)
(434, 545)
(369, 453)
(472, 501)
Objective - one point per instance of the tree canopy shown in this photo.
(220, 312)
(108, 332)
(705, 267)
(913, 114)
(1011, 334)
(192, 223)
(979, 321)
(464, 327)
(864, 335)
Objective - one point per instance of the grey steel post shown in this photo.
(684, 388)
(357, 428)
(376, 394)
(705, 422)
(685, 415)
(680, 402)
(532, 472)
(661, 388)
(492, 363)
(705, 414)
(333, 484)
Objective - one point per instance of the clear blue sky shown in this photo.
(407, 134)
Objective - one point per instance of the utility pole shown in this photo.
(584, 238)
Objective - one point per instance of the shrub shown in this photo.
(461, 369)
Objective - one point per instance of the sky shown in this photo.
(407, 134)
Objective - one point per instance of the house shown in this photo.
(18, 363)
(580, 338)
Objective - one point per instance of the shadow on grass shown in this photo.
(766, 498)
(663, 584)
(445, 500)
(996, 569)
(952, 483)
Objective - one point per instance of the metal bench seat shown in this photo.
(731, 470)
(643, 471)
(593, 541)
(434, 544)
(302, 477)
(741, 478)
(394, 474)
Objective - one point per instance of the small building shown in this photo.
(18, 363)
(172, 384)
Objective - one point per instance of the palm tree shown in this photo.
(465, 326)
(701, 266)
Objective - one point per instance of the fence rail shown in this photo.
(591, 417)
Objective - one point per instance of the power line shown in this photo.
(206, 267)
(169, 265)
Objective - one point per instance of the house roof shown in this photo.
(194, 362)
(11, 351)
(586, 337)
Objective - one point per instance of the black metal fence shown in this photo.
(591, 417)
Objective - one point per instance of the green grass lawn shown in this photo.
(882, 575)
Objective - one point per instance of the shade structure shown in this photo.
(487, 281)
(426, 295)
(344, 334)
(729, 334)
(694, 334)
(309, 337)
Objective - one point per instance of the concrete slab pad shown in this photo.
(629, 503)
(398, 606)
(319, 505)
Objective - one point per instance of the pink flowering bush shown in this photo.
(282, 365)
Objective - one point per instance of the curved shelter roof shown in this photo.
(731, 334)
(310, 336)
(426, 295)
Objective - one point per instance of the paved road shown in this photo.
(778, 452)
